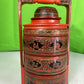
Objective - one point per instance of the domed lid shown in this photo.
(46, 12)
(46, 17)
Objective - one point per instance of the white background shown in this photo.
(10, 68)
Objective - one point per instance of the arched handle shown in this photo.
(64, 2)
(42, 1)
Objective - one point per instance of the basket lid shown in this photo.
(46, 12)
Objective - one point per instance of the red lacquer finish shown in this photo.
(45, 65)
(46, 45)
(37, 79)
(65, 2)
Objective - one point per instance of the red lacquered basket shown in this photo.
(37, 80)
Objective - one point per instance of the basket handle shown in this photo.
(66, 3)
(62, 2)
(42, 1)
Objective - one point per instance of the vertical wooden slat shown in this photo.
(68, 21)
(20, 36)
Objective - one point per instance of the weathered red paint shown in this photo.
(30, 28)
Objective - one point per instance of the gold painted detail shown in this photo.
(47, 32)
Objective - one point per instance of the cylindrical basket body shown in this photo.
(37, 79)
(45, 48)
